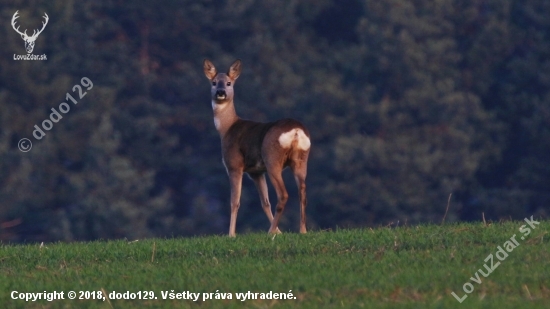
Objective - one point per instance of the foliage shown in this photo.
(407, 102)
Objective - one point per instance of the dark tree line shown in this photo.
(407, 102)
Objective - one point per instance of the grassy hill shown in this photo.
(398, 267)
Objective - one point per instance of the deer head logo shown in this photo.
(29, 40)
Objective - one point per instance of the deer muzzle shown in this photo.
(221, 95)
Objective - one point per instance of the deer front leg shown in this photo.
(235, 177)
(261, 185)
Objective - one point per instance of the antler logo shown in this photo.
(29, 40)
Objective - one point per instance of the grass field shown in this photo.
(403, 267)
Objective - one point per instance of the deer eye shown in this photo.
(213, 83)
(228, 83)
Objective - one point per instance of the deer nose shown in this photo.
(220, 94)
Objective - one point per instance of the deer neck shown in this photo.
(224, 116)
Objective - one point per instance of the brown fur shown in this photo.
(253, 147)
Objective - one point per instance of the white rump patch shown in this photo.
(287, 138)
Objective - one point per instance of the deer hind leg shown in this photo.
(275, 175)
(261, 185)
(299, 169)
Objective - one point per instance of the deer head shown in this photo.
(29, 40)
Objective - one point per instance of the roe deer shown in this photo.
(256, 148)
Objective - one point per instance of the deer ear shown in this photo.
(209, 69)
(235, 70)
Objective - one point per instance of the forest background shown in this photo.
(406, 101)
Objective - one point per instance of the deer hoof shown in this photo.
(277, 231)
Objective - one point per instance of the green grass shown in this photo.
(404, 267)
